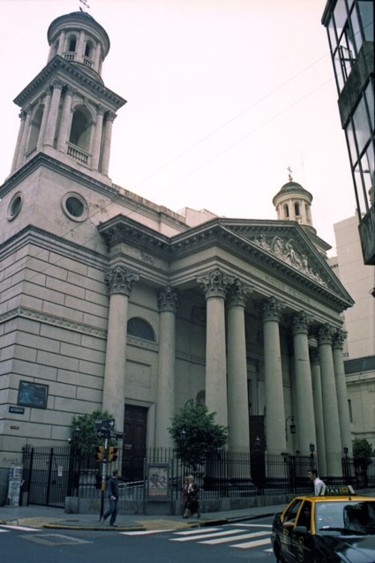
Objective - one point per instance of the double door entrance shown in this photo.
(134, 453)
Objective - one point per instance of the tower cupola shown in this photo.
(78, 38)
(66, 110)
(293, 203)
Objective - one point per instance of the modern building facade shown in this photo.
(350, 30)
(359, 347)
(110, 301)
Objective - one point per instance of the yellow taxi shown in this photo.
(336, 526)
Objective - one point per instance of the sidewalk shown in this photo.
(56, 518)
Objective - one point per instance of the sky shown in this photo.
(222, 97)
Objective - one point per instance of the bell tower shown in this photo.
(67, 112)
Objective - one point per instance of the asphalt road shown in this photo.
(231, 542)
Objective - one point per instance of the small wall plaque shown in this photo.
(17, 410)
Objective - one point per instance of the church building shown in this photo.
(110, 301)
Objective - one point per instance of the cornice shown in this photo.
(53, 243)
(296, 262)
(61, 67)
(34, 315)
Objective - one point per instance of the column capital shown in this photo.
(120, 280)
(271, 309)
(57, 83)
(238, 293)
(339, 337)
(215, 283)
(301, 323)
(110, 116)
(167, 299)
(69, 90)
(325, 334)
(100, 110)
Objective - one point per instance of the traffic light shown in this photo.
(112, 453)
(100, 451)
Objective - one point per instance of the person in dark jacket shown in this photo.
(190, 494)
(113, 496)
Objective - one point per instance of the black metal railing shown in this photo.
(51, 474)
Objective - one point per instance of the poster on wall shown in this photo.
(32, 395)
(158, 481)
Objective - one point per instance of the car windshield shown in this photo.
(348, 516)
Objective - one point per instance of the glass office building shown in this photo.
(350, 30)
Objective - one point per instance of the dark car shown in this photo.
(324, 529)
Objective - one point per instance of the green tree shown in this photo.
(362, 452)
(83, 432)
(196, 435)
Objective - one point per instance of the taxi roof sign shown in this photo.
(337, 490)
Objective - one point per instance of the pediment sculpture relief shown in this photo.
(285, 249)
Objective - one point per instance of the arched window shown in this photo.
(296, 209)
(81, 128)
(141, 329)
(72, 44)
(88, 49)
(286, 210)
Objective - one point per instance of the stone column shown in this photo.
(318, 411)
(53, 113)
(97, 138)
(165, 405)
(214, 285)
(25, 136)
(238, 402)
(43, 125)
(66, 119)
(97, 57)
(61, 46)
(110, 117)
(275, 410)
(330, 408)
(342, 392)
(304, 394)
(120, 284)
(22, 116)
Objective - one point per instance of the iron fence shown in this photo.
(51, 474)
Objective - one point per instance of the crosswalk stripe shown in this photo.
(252, 525)
(200, 531)
(145, 532)
(1, 530)
(235, 538)
(199, 537)
(256, 543)
(20, 528)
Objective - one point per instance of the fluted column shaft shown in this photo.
(24, 138)
(341, 389)
(330, 408)
(238, 402)
(275, 410)
(165, 405)
(120, 283)
(97, 139)
(318, 411)
(65, 120)
(53, 113)
(304, 393)
(110, 117)
(214, 285)
(22, 116)
(43, 125)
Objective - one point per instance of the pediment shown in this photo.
(289, 246)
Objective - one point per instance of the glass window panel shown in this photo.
(366, 11)
(340, 16)
(361, 125)
(356, 30)
(331, 34)
(338, 72)
(369, 95)
(360, 188)
(351, 143)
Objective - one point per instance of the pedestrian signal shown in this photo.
(112, 454)
(99, 453)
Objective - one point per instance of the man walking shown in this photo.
(318, 483)
(113, 496)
